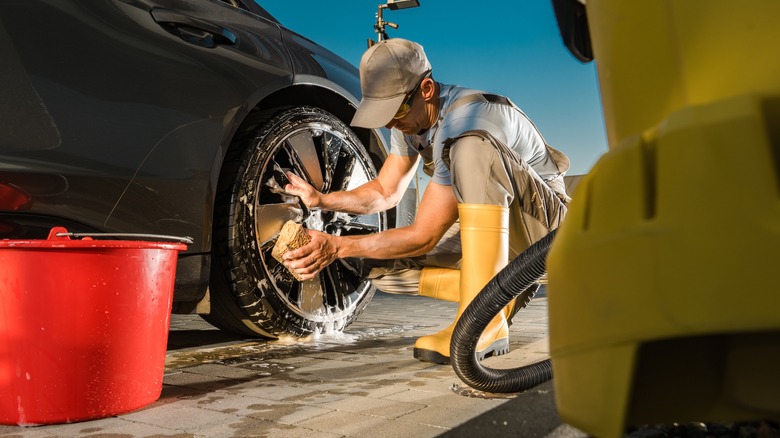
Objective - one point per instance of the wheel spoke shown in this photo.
(306, 157)
(342, 171)
(311, 297)
(350, 272)
(333, 145)
(341, 277)
(269, 219)
(280, 276)
(333, 295)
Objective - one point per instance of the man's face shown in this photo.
(415, 119)
(409, 124)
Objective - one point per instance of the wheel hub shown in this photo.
(314, 220)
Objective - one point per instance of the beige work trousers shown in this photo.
(484, 171)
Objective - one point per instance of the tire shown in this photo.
(251, 293)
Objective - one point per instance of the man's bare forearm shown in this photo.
(380, 194)
(366, 199)
(390, 244)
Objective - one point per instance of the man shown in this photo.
(496, 188)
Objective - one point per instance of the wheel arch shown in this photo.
(332, 101)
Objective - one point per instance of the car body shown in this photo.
(140, 116)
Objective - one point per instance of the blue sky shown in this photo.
(507, 47)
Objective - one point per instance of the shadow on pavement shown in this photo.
(531, 414)
(180, 339)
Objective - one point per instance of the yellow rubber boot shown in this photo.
(484, 235)
(440, 283)
(444, 284)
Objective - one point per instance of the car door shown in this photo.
(122, 109)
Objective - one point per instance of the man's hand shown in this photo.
(308, 260)
(304, 191)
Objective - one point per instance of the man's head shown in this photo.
(389, 72)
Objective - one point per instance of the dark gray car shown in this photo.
(180, 117)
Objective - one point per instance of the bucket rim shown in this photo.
(60, 238)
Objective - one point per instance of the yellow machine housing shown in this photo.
(662, 295)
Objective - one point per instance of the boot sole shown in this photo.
(431, 356)
(497, 348)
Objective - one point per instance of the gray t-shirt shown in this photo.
(506, 123)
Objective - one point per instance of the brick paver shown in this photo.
(361, 383)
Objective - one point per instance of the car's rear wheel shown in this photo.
(251, 293)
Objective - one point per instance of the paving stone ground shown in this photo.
(360, 383)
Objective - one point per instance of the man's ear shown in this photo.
(428, 88)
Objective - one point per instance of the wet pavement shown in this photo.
(360, 383)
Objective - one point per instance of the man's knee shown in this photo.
(479, 175)
(403, 282)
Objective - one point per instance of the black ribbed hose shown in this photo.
(510, 282)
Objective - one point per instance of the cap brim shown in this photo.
(376, 113)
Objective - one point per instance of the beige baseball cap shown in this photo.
(388, 70)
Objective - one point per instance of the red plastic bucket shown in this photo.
(83, 326)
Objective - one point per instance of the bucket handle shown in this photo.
(188, 240)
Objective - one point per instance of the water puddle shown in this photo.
(284, 347)
(468, 391)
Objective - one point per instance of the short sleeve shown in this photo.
(441, 175)
(399, 145)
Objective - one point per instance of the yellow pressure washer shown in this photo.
(661, 296)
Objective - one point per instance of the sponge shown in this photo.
(292, 236)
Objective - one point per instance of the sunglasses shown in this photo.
(407, 105)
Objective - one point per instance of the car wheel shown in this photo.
(252, 293)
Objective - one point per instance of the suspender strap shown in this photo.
(561, 160)
(478, 97)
